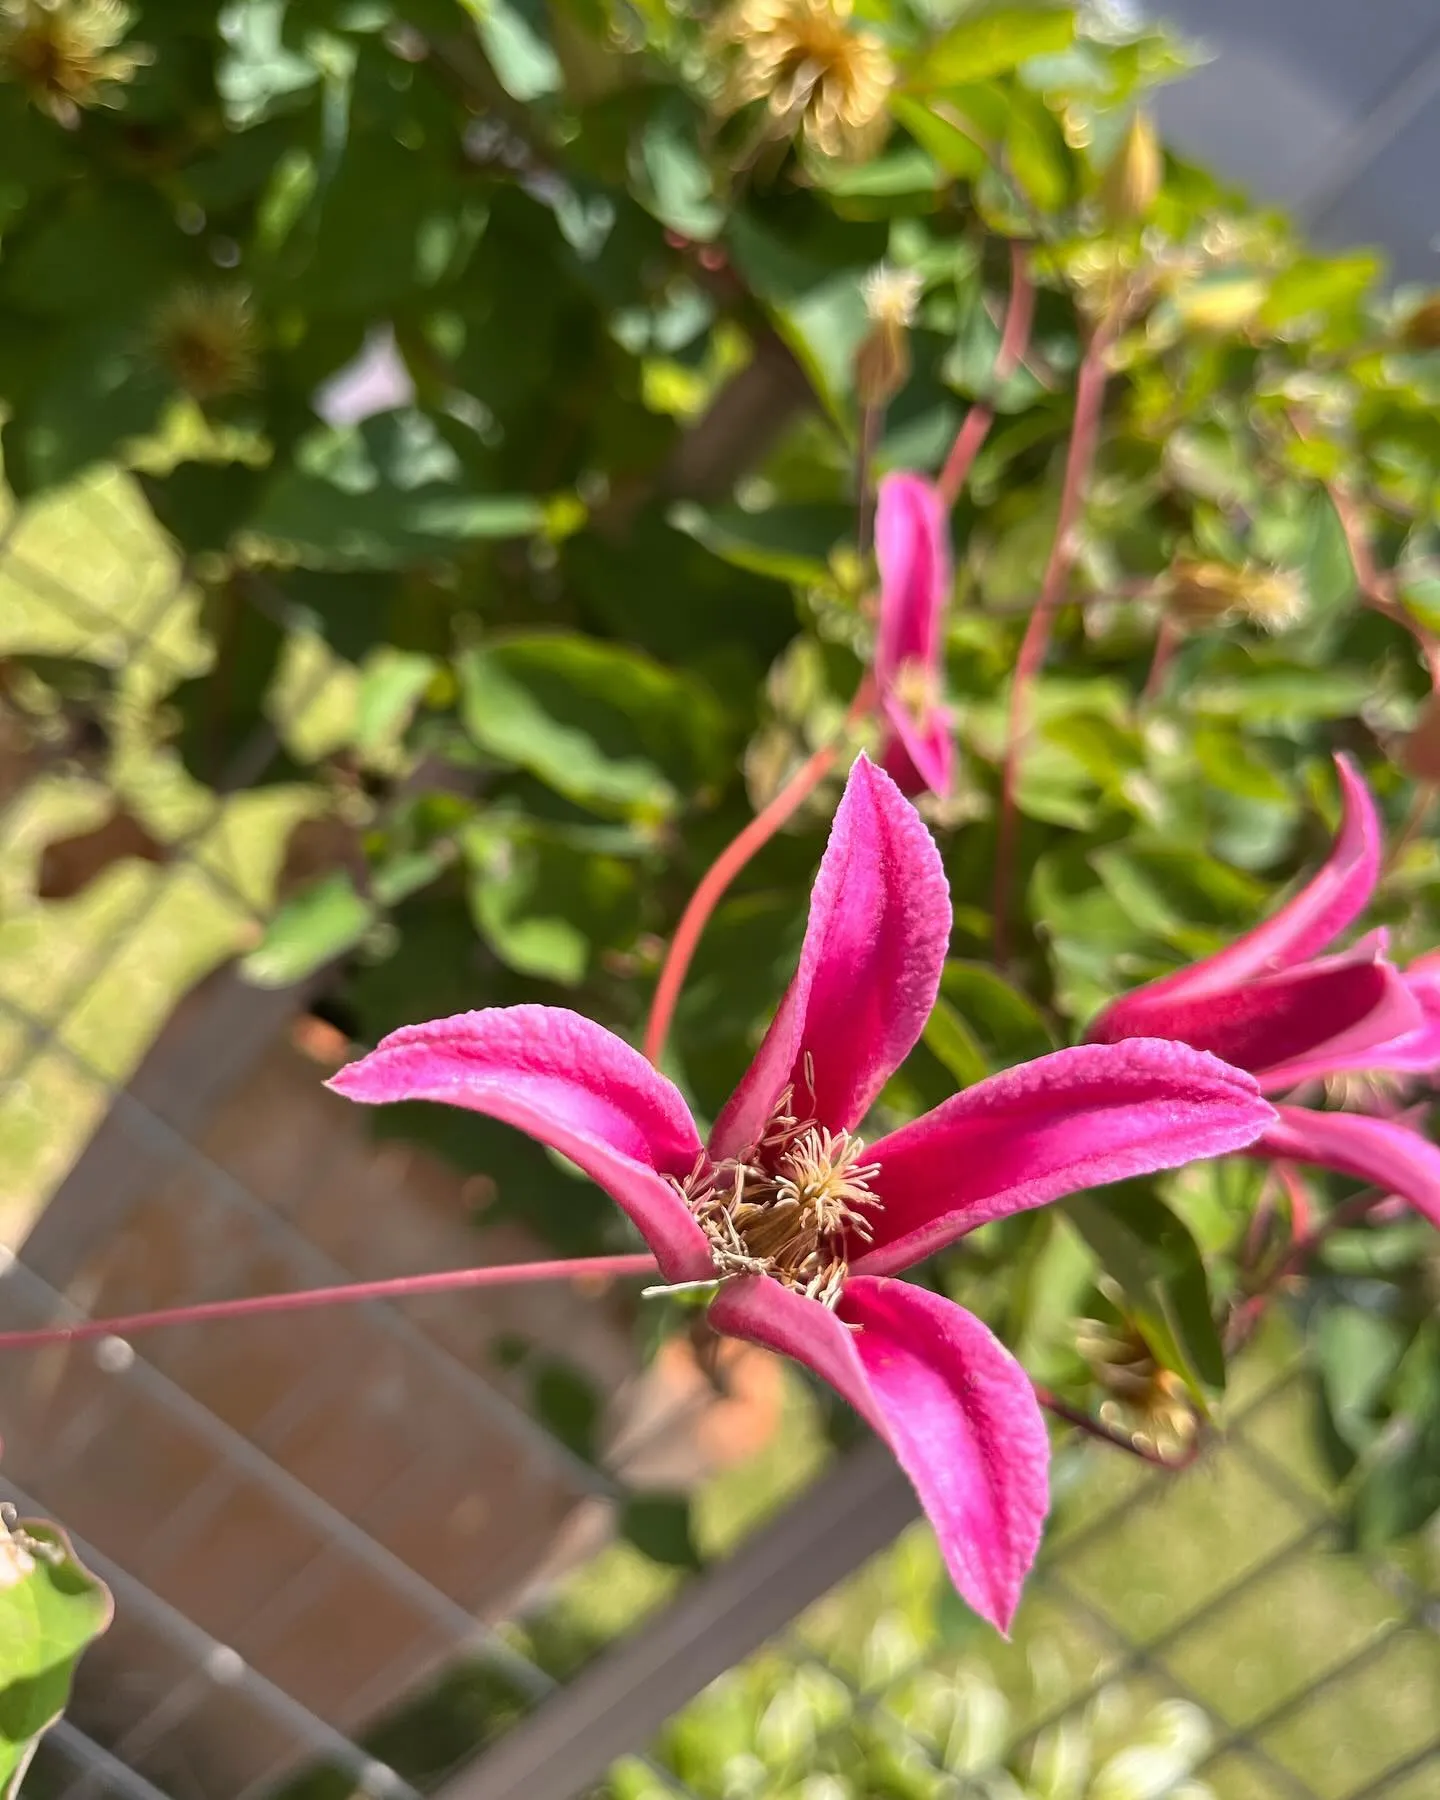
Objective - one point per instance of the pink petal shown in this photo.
(949, 1399)
(1332, 900)
(1417, 1052)
(869, 969)
(919, 755)
(912, 548)
(1075, 1119)
(1282, 1027)
(1396, 1159)
(568, 1082)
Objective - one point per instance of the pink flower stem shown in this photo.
(1166, 641)
(1082, 1421)
(397, 1287)
(1014, 340)
(1079, 459)
(731, 860)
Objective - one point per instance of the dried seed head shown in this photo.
(65, 53)
(891, 295)
(814, 74)
(1148, 1403)
(206, 338)
(1199, 594)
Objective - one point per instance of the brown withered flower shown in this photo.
(816, 75)
(1145, 1401)
(66, 53)
(206, 338)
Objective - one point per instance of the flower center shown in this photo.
(788, 1207)
(917, 688)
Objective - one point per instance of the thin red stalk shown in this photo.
(1082, 1421)
(393, 1288)
(1014, 339)
(1079, 459)
(1166, 640)
(731, 860)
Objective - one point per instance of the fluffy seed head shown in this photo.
(815, 75)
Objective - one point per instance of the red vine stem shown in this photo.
(1079, 459)
(728, 864)
(394, 1288)
(126, 1325)
(1014, 340)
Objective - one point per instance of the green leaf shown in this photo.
(959, 152)
(567, 1404)
(312, 929)
(515, 34)
(1282, 695)
(791, 543)
(390, 689)
(671, 179)
(810, 284)
(659, 1525)
(1000, 1020)
(1151, 1255)
(950, 1039)
(1358, 1352)
(993, 42)
(546, 905)
(51, 1608)
(1319, 286)
(907, 169)
(381, 495)
(600, 723)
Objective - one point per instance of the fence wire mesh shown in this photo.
(348, 1555)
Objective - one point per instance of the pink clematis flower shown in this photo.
(800, 1223)
(1273, 1004)
(912, 547)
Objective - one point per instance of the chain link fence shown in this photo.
(351, 1557)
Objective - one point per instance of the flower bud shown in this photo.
(1131, 184)
(1421, 331)
(882, 363)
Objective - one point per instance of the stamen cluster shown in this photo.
(789, 1206)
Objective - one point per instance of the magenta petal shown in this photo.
(1280, 1027)
(920, 755)
(869, 969)
(912, 549)
(568, 1082)
(1392, 1156)
(1332, 900)
(1075, 1119)
(1417, 1052)
(949, 1399)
